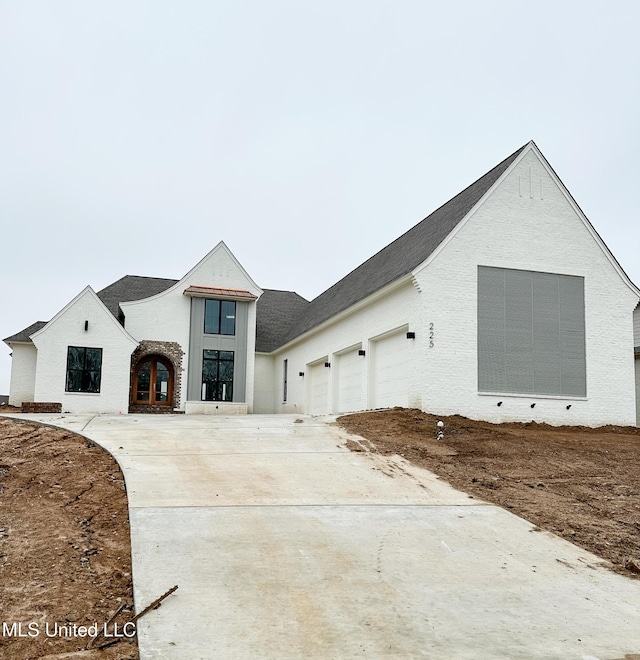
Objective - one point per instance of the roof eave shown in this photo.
(10, 342)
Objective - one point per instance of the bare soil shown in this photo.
(580, 483)
(65, 549)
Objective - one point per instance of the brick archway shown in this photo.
(169, 353)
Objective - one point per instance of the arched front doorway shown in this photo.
(153, 382)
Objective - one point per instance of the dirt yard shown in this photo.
(65, 555)
(582, 484)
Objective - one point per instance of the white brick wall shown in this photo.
(66, 329)
(23, 373)
(541, 233)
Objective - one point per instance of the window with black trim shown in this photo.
(84, 369)
(217, 375)
(219, 317)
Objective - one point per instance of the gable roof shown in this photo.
(91, 294)
(400, 257)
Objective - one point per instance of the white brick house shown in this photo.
(503, 304)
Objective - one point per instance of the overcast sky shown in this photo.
(134, 136)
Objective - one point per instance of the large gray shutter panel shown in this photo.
(531, 332)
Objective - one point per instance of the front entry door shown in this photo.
(153, 382)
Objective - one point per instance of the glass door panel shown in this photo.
(143, 382)
(162, 383)
(153, 382)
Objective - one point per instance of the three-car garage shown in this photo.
(364, 376)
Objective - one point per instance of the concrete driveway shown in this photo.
(286, 545)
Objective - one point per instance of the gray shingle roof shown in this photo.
(398, 258)
(276, 311)
(23, 335)
(132, 287)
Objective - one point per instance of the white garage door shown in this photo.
(390, 362)
(318, 389)
(350, 370)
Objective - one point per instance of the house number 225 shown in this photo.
(432, 335)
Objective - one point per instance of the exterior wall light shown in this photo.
(533, 405)
(327, 364)
(362, 352)
(569, 406)
(86, 326)
(499, 403)
(411, 335)
(301, 373)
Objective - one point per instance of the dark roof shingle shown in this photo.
(23, 335)
(276, 311)
(132, 287)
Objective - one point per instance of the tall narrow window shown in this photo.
(220, 317)
(217, 375)
(84, 369)
(285, 369)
